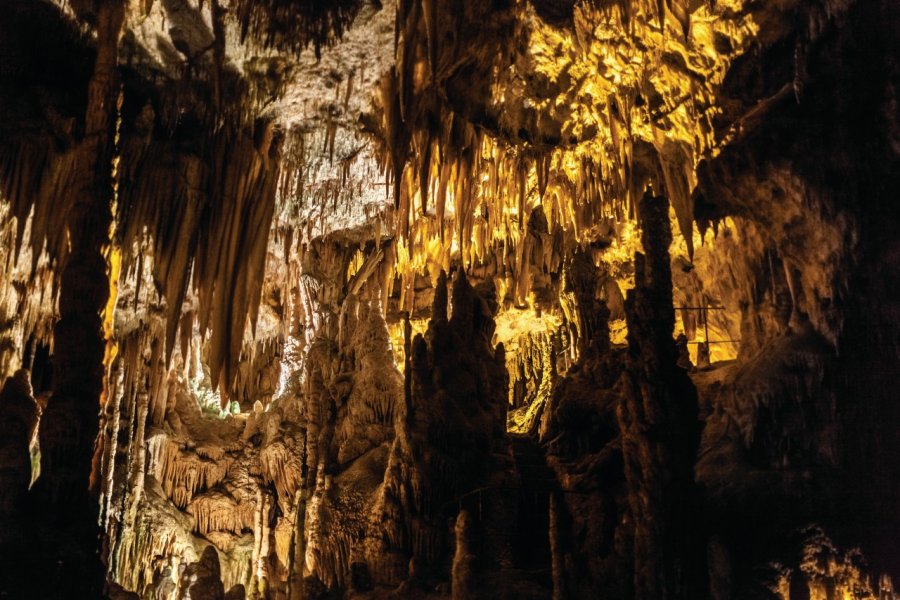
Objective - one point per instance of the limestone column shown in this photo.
(66, 507)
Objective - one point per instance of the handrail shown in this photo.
(480, 490)
(707, 341)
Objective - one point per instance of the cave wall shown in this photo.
(811, 174)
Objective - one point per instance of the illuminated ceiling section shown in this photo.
(579, 120)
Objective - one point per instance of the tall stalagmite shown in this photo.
(658, 422)
(450, 448)
(65, 504)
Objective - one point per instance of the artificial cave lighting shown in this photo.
(412, 299)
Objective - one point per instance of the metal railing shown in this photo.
(706, 341)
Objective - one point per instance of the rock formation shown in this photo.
(397, 299)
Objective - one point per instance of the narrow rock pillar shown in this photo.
(66, 507)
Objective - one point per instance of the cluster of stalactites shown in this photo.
(27, 301)
(35, 180)
(324, 184)
(293, 25)
(184, 473)
(468, 168)
(210, 231)
(533, 373)
(258, 371)
(468, 209)
(203, 207)
(283, 24)
(212, 234)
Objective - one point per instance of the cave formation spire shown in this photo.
(658, 421)
(65, 505)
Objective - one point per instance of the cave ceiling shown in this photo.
(448, 131)
(439, 125)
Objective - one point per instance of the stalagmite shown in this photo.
(658, 421)
(422, 488)
(69, 424)
(463, 559)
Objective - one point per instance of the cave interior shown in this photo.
(450, 299)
